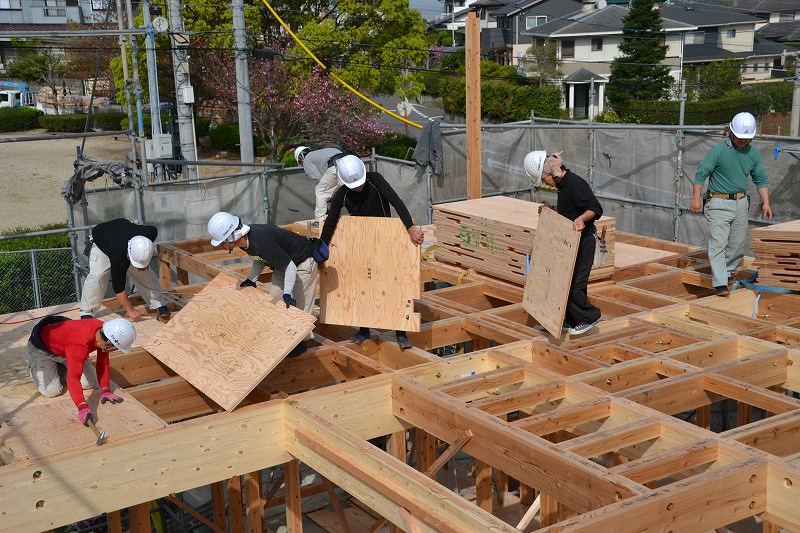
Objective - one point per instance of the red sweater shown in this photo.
(74, 340)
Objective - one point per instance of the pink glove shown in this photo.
(108, 396)
(84, 414)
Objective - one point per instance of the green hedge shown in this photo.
(19, 118)
(716, 111)
(63, 123)
(108, 121)
(147, 124)
(503, 101)
(202, 126)
(397, 146)
(225, 136)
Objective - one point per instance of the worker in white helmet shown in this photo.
(577, 202)
(320, 165)
(292, 258)
(367, 194)
(58, 354)
(122, 249)
(729, 166)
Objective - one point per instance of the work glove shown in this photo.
(247, 283)
(108, 396)
(84, 414)
(288, 300)
(320, 252)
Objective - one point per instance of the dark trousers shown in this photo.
(578, 307)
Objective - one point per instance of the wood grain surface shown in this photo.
(372, 276)
(555, 247)
(226, 340)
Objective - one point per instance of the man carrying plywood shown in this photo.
(577, 202)
(367, 194)
(290, 256)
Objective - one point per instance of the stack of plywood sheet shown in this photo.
(494, 235)
(777, 250)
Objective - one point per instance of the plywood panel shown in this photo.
(226, 340)
(372, 276)
(43, 426)
(628, 255)
(555, 247)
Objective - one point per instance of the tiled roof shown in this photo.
(780, 31)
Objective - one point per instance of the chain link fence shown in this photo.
(36, 278)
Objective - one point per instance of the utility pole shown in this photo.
(242, 85)
(152, 87)
(794, 120)
(184, 92)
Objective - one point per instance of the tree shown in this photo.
(705, 82)
(38, 63)
(541, 62)
(376, 46)
(637, 73)
(287, 108)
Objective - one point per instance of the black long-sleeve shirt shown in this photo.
(112, 238)
(576, 197)
(276, 246)
(372, 201)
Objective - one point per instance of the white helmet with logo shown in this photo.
(140, 251)
(121, 333)
(298, 152)
(225, 226)
(743, 125)
(534, 164)
(351, 171)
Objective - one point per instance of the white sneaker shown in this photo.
(583, 327)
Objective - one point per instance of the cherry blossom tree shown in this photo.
(288, 109)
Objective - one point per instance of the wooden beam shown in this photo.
(473, 64)
(294, 511)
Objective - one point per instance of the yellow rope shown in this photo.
(333, 74)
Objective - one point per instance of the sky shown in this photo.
(429, 9)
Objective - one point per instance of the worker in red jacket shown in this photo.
(58, 352)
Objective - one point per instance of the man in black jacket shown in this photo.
(367, 194)
(577, 202)
(121, 249)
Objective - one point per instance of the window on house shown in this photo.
(731, 34)
(535, 20)
(101, 5)
(10, 4)
(597, 44)
(786, 17)
(568, 48)
(538, 41)
(696, 37)
(55, 8)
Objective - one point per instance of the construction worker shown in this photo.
(320, 165)
(577, 202)
(729, 166)
(58, 353)
(290, 256)
(367, 194)
(121, 249)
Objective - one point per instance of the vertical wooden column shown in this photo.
(164, 274)
(549, 510)
(291, 480)
(483, 485)
(703, 419)
(396, 445)
(473, 74)
(218, 504)
(114, 520)
(426, 449)
(139, 518)
(255, 507)
(744, 414)
(235, 504)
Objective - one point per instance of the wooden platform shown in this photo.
(615, 430)
(777, 250)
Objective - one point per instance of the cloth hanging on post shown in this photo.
(429, 147)
(89, 169)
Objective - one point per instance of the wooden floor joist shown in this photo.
(616, 430)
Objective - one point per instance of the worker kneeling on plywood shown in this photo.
(292, 258)
(58, 352)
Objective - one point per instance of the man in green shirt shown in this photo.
(728, 167)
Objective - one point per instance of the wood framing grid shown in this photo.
(595, 424)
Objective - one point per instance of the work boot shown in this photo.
(86, 315)
(403, 342)
(164, 312)
(297, 350)
(361, 336)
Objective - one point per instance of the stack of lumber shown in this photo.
(494, 235)
(777, 250)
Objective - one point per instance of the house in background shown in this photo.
(695, 34)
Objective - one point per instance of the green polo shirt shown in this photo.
(728, 168)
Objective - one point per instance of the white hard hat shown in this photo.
(225, 226)
(140, 250)
(121, 333)
(298, 152)
(534, 164)
(351, 171)
(743, 125)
